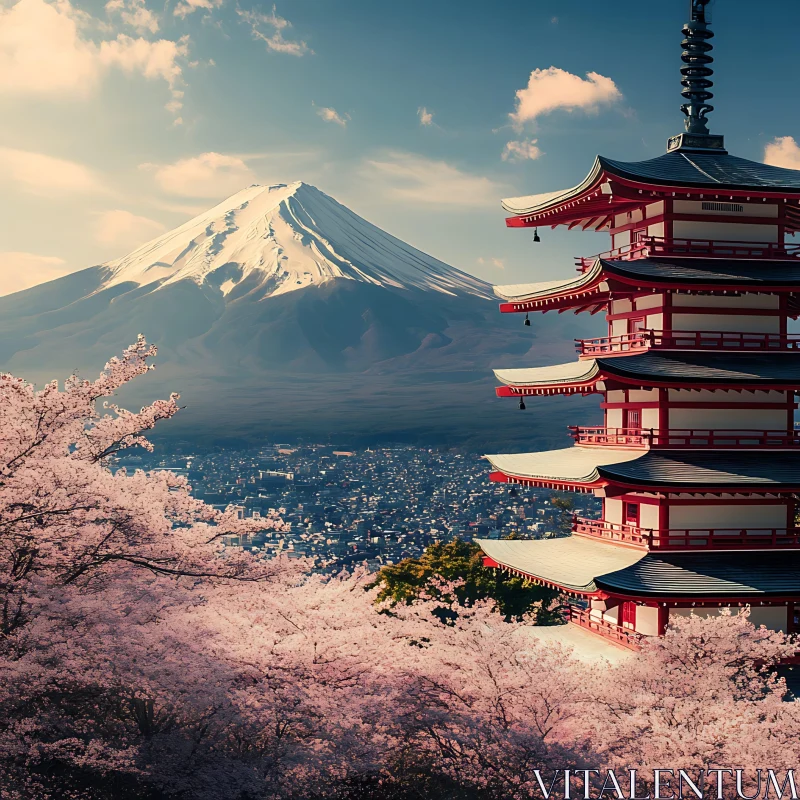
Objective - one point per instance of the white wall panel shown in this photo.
(647, 620)
(772, 617)
(755, 419)
(747, 323)
(724, 231)
(735, 517)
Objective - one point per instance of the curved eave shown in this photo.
(591, 290)
(590, 202)
(584, 469)
(598, 375)
(574, 469)
(569, 563)
(578, 377)
(532, 204)
(588, 288)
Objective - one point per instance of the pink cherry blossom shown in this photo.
(139, 658)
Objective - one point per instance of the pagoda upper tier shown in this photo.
(602, 279)
(656, 369)
(614, 188)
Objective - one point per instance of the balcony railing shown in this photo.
(697, 248)
(618, 634)
(689, 538)
(683, 438)
(686, 340)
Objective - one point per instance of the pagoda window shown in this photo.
(628, 615)
(632, 514)
(632, 418)
(636, 324)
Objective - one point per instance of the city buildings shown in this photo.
(349, 507)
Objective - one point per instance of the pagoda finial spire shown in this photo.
(696, 80)
(696, 69)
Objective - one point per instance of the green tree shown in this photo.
(463, 562)
(564, 509)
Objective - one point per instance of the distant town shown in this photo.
(378, 506)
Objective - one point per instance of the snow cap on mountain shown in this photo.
(283, 238)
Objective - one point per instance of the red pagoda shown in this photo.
(698, 462)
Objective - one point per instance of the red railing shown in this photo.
(615, 345)
(689, 538)
(698, 248)
(686, 340)
(679, 438)
(623, 636)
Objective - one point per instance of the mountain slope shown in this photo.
(278, 239)
(280, 309)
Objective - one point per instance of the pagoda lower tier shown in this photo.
(680, 529)
(630, 593)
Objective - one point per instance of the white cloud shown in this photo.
(553, 88)
(206, 175)
(522, 150)
(425, 116)
(783, 152)
(186, 7)
(43, 50)
(154, 60)
(47, 176)
(19, 270)
(134, 13)
(498, 263)
(119, 227)
(273, 37)
(416, 179)
(332, 115)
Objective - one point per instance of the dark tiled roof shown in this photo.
(707, 367)
(709, 469)
(707, 270)
(716, 574)
(712, 170)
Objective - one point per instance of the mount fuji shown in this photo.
(280, 312)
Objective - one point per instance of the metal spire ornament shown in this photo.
(696, 69)
(696, 80)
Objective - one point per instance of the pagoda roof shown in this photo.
(586, 566)
(713, 469)
(706, 271)
(657, 368)
(585, 468)
(572, 465)
(711, 171)
(591, 287)
(571, 562)
(719, 574)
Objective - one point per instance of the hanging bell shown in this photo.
(521, 404)
(527, 321)
(536, 235)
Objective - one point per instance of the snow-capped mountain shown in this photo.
(280, 311)
(284, 238)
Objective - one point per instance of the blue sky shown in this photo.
(120, 120)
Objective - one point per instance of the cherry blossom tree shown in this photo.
(704, 696)
(139, 658)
